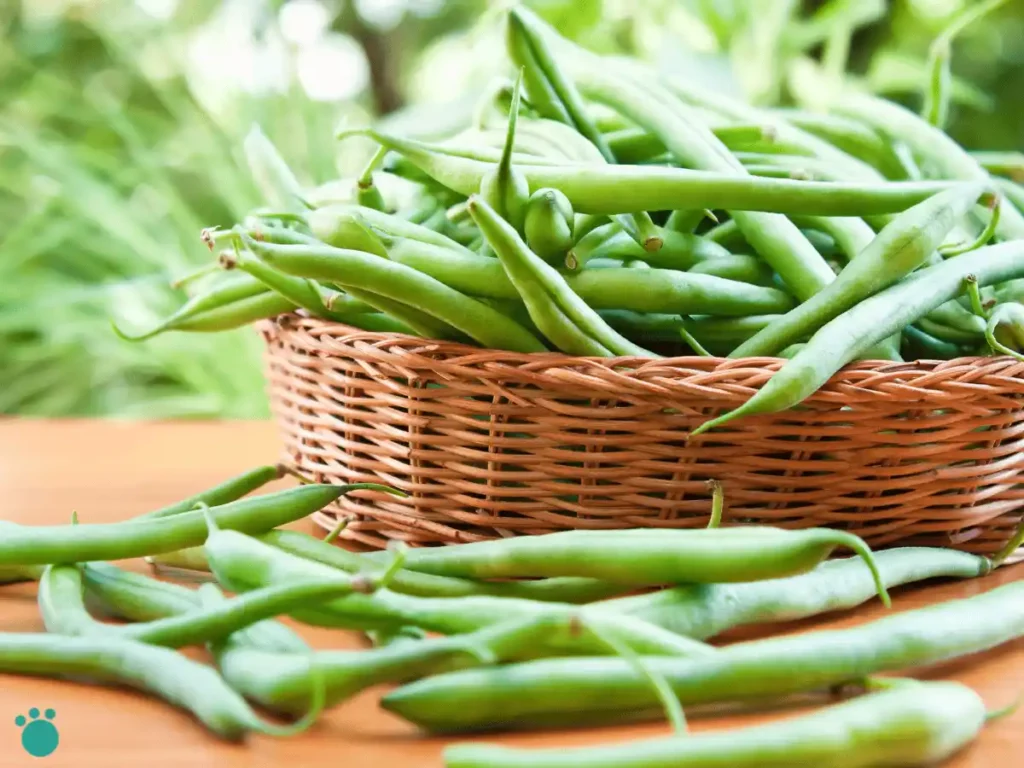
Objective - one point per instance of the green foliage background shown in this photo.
(113, 153)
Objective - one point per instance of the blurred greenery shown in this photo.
(121, 126)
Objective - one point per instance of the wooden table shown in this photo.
(107, 471)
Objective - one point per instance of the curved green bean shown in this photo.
(850, 334)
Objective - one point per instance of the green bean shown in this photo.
(924, 346)
(743, 269)
(548, 224)
(557, 96)
(705, 610)
(367, 193)
(727, 234)
(643, 326)
(851, 136)
(1004, 331)
(274, 178)
(951, 333)
(14, 574)
(333, 226)
(555, 692)
(598, 188)
(243, 563)
(302, 293)
(396, 281)
(850, 334)
(1009, 164)
(686, 222)
(230, 490)
(505, 188)
(729, 331)
(899, 248)
(647, 557)
(135, 597)
(158, 671)
(281, 683)
(424, 585)
(928, 142)
(63, 609)
(540, 283)
(916, 724)
(679, 250)
(30, 545)
(230, 304)
(936, 97)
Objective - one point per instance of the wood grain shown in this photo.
(108, 471)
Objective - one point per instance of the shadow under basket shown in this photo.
(489, 444)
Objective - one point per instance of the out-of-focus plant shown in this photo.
(121, 127)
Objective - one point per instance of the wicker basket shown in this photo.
(490, 443)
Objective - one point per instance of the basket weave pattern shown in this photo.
(489, 443)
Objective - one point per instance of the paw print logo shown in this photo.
(39, 737)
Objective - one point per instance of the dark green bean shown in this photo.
(549, 693)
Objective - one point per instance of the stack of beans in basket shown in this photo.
(601, 210)
(572, 628)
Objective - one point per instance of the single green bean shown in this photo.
(135, 597)
(273, 177)
(230, 490)
(425, 585)
(916, 724)
(1004, 331)
(505, 188)
(367, 193)
(548, 224)
(30, 545)
(856, 330)
(679, 250)
(705, 610)
(550, 693)
(743, 269)
(63, 609)
(598, 188)
(158, 671)
(335, 225)
(647, 557)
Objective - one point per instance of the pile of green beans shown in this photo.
(524, 632)
(615, 212)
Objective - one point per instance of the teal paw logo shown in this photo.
(38, 737)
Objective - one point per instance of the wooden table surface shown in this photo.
(107, 471)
